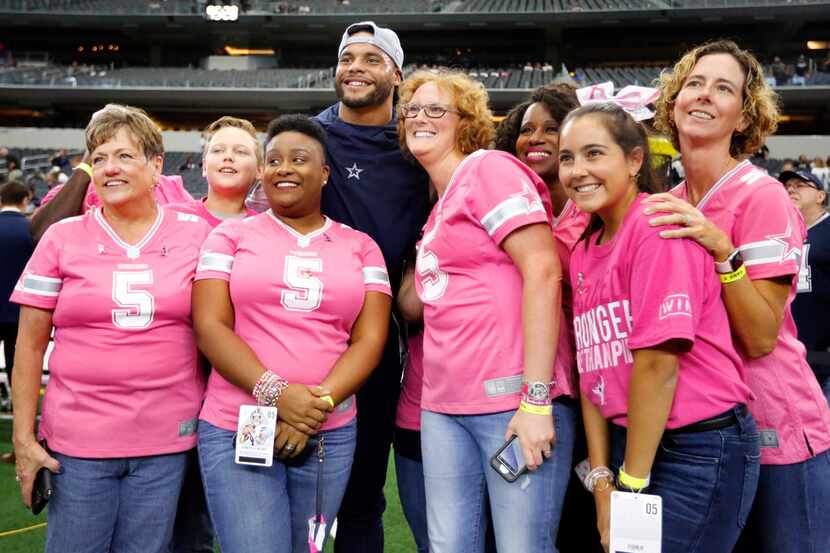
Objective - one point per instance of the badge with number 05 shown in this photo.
(636, 523)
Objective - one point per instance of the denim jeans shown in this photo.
(192, 532)
(825, 387)
(707, 481)
(410, 475)
(266, 509)
(790, 511)
(458, 478)
(121, 505)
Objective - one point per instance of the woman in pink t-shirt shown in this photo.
(663, 399)
(717, 108)
(488, 276)
(120, 408)
(292, 309)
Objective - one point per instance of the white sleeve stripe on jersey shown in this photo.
(40, 285)
(506, 210)
(210, 261)
(763, 252)
(375, 275)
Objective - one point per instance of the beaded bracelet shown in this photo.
(268, 388)
(597, 474)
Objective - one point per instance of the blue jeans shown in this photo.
(123, 505)
(192, 532)
(410, 475)
(825, 387)
(458, 479)
(707, 481)
(266, 509)
(790, 511)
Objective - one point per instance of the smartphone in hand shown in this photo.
(509, 460)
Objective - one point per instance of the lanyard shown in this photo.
(317, 523)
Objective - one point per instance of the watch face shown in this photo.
(538, 391)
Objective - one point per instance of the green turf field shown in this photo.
(14, 516)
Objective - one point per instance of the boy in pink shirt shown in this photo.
(657, 369)
(231, 164)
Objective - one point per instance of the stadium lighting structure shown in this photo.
(222, 12)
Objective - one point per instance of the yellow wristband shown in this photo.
(329, 400)
(632, 482)
(536, 409)
(733, 276)
(86, 168)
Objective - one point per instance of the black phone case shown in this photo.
(496, 464)
(42, 490)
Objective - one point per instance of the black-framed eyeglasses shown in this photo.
(433, 111)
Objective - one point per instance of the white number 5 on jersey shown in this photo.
(306, 292)
(434, 281)
(137, 307)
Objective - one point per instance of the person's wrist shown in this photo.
(86, 168)
(723, 250)
(24, 440)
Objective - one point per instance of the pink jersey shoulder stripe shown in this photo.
(212, 261)
(515, 206)
(770, 251)
(375, 275)
(39, 285)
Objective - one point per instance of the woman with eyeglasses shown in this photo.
(488, 275)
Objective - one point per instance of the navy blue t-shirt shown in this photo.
(373, 187)
(811, 306)
(16, 247)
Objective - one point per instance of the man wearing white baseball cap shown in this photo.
(376, 190)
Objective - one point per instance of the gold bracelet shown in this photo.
(536, 409)
(86, 168)
(733, 276)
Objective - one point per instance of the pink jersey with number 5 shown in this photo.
(123, 375)
(789, 407)
(295, 299)
(472, 291)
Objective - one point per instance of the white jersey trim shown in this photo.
(40, 285)
(762, 252)
(303, 240)
(211, 261)
(376, 275)
(726, 177)
(133, 250)
(515, 206)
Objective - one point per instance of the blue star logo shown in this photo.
(354, 171)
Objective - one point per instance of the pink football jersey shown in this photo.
(409, 405)
(638, 291)
(295, 299)
(567, 229)
(791, 412)
(123, 375)
(197, 207)
(169, 190)
(472, 291)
